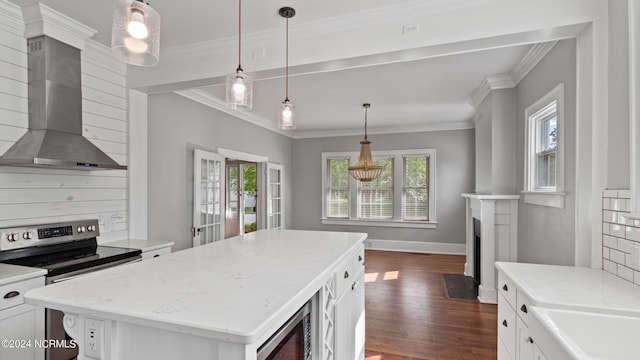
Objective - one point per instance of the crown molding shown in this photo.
(12, 20)
(496, 82)
(42, 20)
(101, 55)
(211, 101)
(339, 24)
(439, 126)
(536, 53)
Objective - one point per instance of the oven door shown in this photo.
(292, 340)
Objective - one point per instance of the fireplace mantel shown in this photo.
(498, 215)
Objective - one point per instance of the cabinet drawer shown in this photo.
(13, 294)
(155, 253)
(523, 304)
(507, 288)
(525, 342)
(348, 269)
(507, 325)
(503, 354)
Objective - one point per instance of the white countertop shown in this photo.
(12, 273)
(144, 245)
(575, 288)
(491, 196)
(236, 289)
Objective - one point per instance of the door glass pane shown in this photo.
(203, 169)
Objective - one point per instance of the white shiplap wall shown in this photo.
(33, 196)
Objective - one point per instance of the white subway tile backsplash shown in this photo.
(624, 219)
(618, 204)
(609, 216)
(605, 228)
(605, 252)
(625, 273)
(624, 194)
(610, 266)
(633, 233)
(611, 193)
(606, 204)
(610, 241)
(617, 256)
(617, 230)
(625, 245)
(636, 277)
(636, 223)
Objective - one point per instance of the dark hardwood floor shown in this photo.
(409, 316)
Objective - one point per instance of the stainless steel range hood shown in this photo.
(54, 138)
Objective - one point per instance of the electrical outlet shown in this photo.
(93, 338)
(410, 28)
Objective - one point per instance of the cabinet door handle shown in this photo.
(359, 257)
(523, 308)
(156, 255)
(354, 285)
(11, 294)
(346, 274)
(504, 323)
(505, 287)
(529, 340)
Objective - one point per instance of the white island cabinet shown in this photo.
(219, 301)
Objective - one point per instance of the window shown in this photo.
(375, 198)
(402, 196)
(544, 167)
(337, 193)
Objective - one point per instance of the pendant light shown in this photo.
(239, 84)
(365, 169)
(287, 114)
(135, 34)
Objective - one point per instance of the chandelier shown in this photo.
(365, 169)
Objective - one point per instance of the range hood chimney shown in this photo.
(54, 138)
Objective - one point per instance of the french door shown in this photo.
(275, 204)
(208, 197)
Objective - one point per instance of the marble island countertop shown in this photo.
(234, 290)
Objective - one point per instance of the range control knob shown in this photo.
(27, 235)
(80, 229)
(12, 237)
(91, 228)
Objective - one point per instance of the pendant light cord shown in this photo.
(365, 122)
(286, 68)
(239, 34)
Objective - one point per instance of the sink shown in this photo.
(572, 334)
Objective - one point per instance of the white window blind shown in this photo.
(337, 193)
(415, 194)
(376, 197)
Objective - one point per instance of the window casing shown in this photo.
(544, 150)
(402, 196)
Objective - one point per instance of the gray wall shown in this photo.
(503, 129)
(454, 176)
(618, 136)
(177, 126)
(546, 235)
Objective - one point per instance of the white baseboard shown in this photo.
(415, 246)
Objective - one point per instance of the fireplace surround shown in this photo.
(498, 217)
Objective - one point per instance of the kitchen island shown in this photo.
(217, 301)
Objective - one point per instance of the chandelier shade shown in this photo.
(365, 169)
(135, 33)
(239, 94)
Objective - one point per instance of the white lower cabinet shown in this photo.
(525, 345)
(537, 354)
(513, 330)
(21, 325)
(349, 309)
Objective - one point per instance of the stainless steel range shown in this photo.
(66, 250)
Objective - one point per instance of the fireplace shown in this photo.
(491, 235)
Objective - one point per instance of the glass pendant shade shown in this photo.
(365, 169)
(239, 90)
(287, 115)
(135, 34)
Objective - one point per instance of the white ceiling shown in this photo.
(406, 92)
